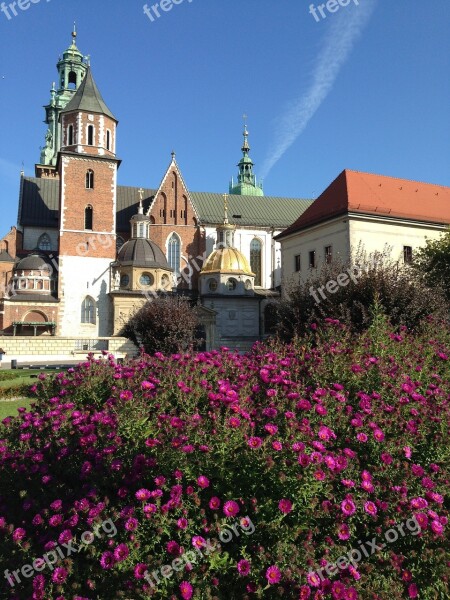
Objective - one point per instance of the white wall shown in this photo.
(375, 234)
(334, 234)
(81, 277)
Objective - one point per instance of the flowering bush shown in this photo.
(321, 445)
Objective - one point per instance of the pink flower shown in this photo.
(121, 553)
(198, 541)
(18, 534)
(305, 592)
(107, 560)
(343, 531)
(59, 575)
(203, 481)
(140, 570)
(254, 442)
(243, 567)
(370, 508)
(273, 575)
(231, 508)
(313, 579)
(351, 594)
(214, 503)
(143, 495)
(285, 506)
(413, 591)
(362, 437)
(186, 590)
(182, 523)
(348, 507)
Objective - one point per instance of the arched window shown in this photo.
(90, 179)
(72, 80)
(174, 253)
(44, 242)
(108, 140)
(88, 310)
(88, 217)
(70, 135)
(90, 135)
(255, 259)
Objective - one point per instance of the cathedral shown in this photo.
(87, 252)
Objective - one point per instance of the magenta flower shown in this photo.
(182, 523)
(140, 570)
(273, 575)
(348, 507)
(231, 508)
(214, 503)
(370, 508)
(413, 591)
(313, 579)
(143, 495)
(121, 553)
(343, 531)
(243, 567)
(107, 560)
(186, 590)
(18, 534)
(59, 575)
(285, 506)
(254, 442)
(203, 481)
(198, 541)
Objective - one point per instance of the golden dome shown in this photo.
(227, 260)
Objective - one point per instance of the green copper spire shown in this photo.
(246, 183)
(71, 67)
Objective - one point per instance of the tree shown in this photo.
(348, 291)
(166, 324)
(433, 261)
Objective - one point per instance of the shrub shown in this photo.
(433, 262)
(167, 324)
(322, 446)
(375, 278)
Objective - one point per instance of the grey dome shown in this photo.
(34, 262)
(142, 252)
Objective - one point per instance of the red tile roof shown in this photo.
(356, 192)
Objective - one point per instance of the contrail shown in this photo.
(344, 31)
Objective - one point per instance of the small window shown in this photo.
(165, 281)
(232, 284)
(88, 310)
(328, 254)
(312, 259)
(298, 263)
(146, 279)
(70, 135)
(44, 242)
(108, 140)
(407, 254)
(212, 285)
(90, 135)
(88, 217)
(90, 180)
(124, 281)
(248, 284)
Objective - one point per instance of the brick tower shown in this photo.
(87, 168)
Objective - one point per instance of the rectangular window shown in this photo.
(90, 135)
(312, 259)
(407, 254)
(328, 254)
(298, 263)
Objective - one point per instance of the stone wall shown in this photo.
(24, 348)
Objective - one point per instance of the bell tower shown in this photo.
(87, 167)
(72, 67)
(246, 183)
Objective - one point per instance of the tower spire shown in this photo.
(246, 183)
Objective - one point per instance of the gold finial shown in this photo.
(74, 32)
(245, 117)
(141, 194)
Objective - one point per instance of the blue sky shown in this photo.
(365, 88)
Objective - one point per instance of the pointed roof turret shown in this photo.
(88, 98)
(246, 183)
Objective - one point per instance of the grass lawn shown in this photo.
(9, 409)
(17, 377)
